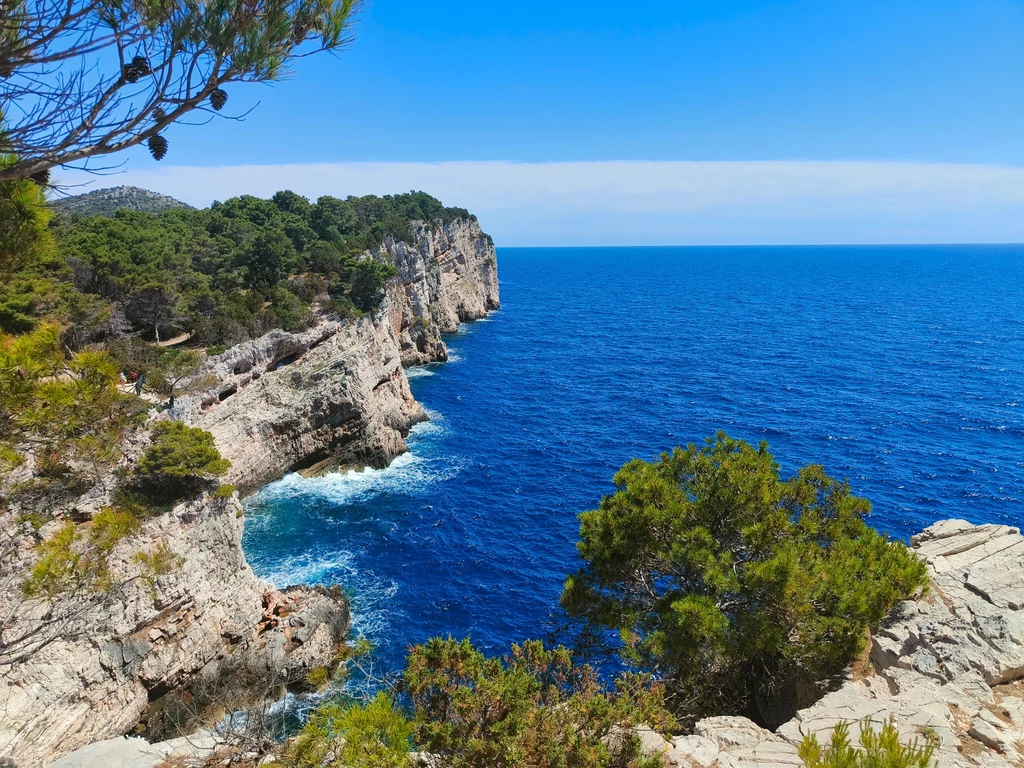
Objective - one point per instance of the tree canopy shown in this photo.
(223, 274)
(731, 582)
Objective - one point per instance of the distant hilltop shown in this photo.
(105, 202)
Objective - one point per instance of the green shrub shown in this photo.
(59, 566)
(535, 708)
(343, 307)
(878, 749)
(180, 462)
(224, 491)
(159, 561)
(76, 559)
(318, 678)
(374, 735)
(732, 582)
(216, 349)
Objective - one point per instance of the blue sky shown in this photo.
(868, 86)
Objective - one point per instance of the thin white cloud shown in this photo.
(664, 202)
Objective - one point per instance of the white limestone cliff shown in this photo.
(336, 395)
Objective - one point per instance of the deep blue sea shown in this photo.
(898, 368)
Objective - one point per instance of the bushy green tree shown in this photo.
(60, 407)
(533, 709)
(877, 749)
(368, 278)
(180, 462)
(181, 451)
(373, 735)
(731, 582)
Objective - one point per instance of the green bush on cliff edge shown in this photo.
(180, 462)
(732, 583)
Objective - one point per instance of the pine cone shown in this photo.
(218, 99)
(141, 65)
(159, 114)
(42, 178)
(157, 146)
(136, 69)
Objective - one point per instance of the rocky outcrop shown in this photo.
(161, 649)
(292, 400)
(449, 276)
(90, 665)
(948, 666)
(107, 202)
(336, 395)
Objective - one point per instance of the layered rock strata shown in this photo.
(89, 665)
(92, 665)
(949, 667)
(336, 395)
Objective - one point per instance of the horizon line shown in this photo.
(654, 202)
(880, 244)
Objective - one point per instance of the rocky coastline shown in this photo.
(150, 653)
(948, 666)
(336, 396)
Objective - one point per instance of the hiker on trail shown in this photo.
(139, 383)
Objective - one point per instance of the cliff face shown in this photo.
(90, 664)
(949, 666)
(450, 275)
(94, 665)
(336, 395)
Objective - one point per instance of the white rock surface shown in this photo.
(336, 395)
(97, 659)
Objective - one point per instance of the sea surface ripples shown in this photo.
(898, 368)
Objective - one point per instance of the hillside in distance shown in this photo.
(106, 202)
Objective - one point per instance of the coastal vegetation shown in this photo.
(220, 275)
(715, 583)
(533, 708)
(877, 749)
(731, 582)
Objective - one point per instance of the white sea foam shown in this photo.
(418, 372)
(308, 568)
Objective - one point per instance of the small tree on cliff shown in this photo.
(731, 582)
(181, 462)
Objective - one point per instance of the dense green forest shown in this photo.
(223, 274)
